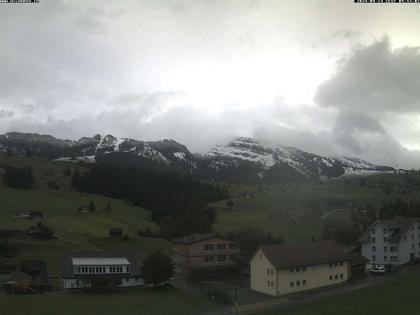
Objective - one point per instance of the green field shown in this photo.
(133, 301)
(76, 231)
(286, 210)
(398, 296)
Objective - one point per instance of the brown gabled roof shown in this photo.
(193, 238)
(303, 254)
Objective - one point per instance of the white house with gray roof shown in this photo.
(393, 241)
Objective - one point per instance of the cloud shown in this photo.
(4, 113)
(375, 79)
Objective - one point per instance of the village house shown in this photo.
(199, 255)
(393, 241)
(289, 268)
(100, 270)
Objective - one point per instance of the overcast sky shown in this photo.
(330, 77)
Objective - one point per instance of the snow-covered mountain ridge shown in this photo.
(241, 159)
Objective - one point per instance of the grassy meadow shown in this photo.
(285, 210)
(130, 301)
(76, 231)
(393, 297)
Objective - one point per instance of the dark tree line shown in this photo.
(249, 239)
(341, 232)
(21, 178)
(165, 193)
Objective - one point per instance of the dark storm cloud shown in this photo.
(375, 79)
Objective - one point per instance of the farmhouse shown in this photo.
(99, 270)
(289, 268)
(198, 255)
(392, 241)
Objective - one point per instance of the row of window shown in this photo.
(101, 269)
(336, 264)
(391, 258)
(392, 249)
(270, 272)
(298, 269)
(270, 283)
(335, 277)
(297, 283)
(221, 246)
(218, 258)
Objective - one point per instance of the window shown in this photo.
(385, 249)
(393, 249)
(405, 237)
(373, 239)
(221, 258)
(233, 246)
(291, 269)
(385, 258)
(209, 247)
(303, 282)
(272, 271)
(291, 284)
(336, 277)
(335, 264)
(341, 276)
(208, 259)
(393, 258)
(331, 277)
(268, 271)
(373, 258)
(412, 228)
(221, 246)
(385, 239)
(373, 230)
(373, 248)
(412, 245)
(298, 283)
(303, 268)
(341, 263)
(331, 264)
(385, 230)
(412, 237)
(268, 283)
(297, 269)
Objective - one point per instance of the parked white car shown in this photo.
(378, 270)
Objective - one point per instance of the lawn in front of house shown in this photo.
(397, 296)
(126, 301)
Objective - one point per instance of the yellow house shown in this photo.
(289, 268)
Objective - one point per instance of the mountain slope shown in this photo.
(243, 159)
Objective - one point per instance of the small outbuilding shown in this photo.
(357, 265)
(115, 232)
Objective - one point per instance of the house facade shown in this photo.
(81, 272)
(393, 241)
(290, 268)
(201, 254)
